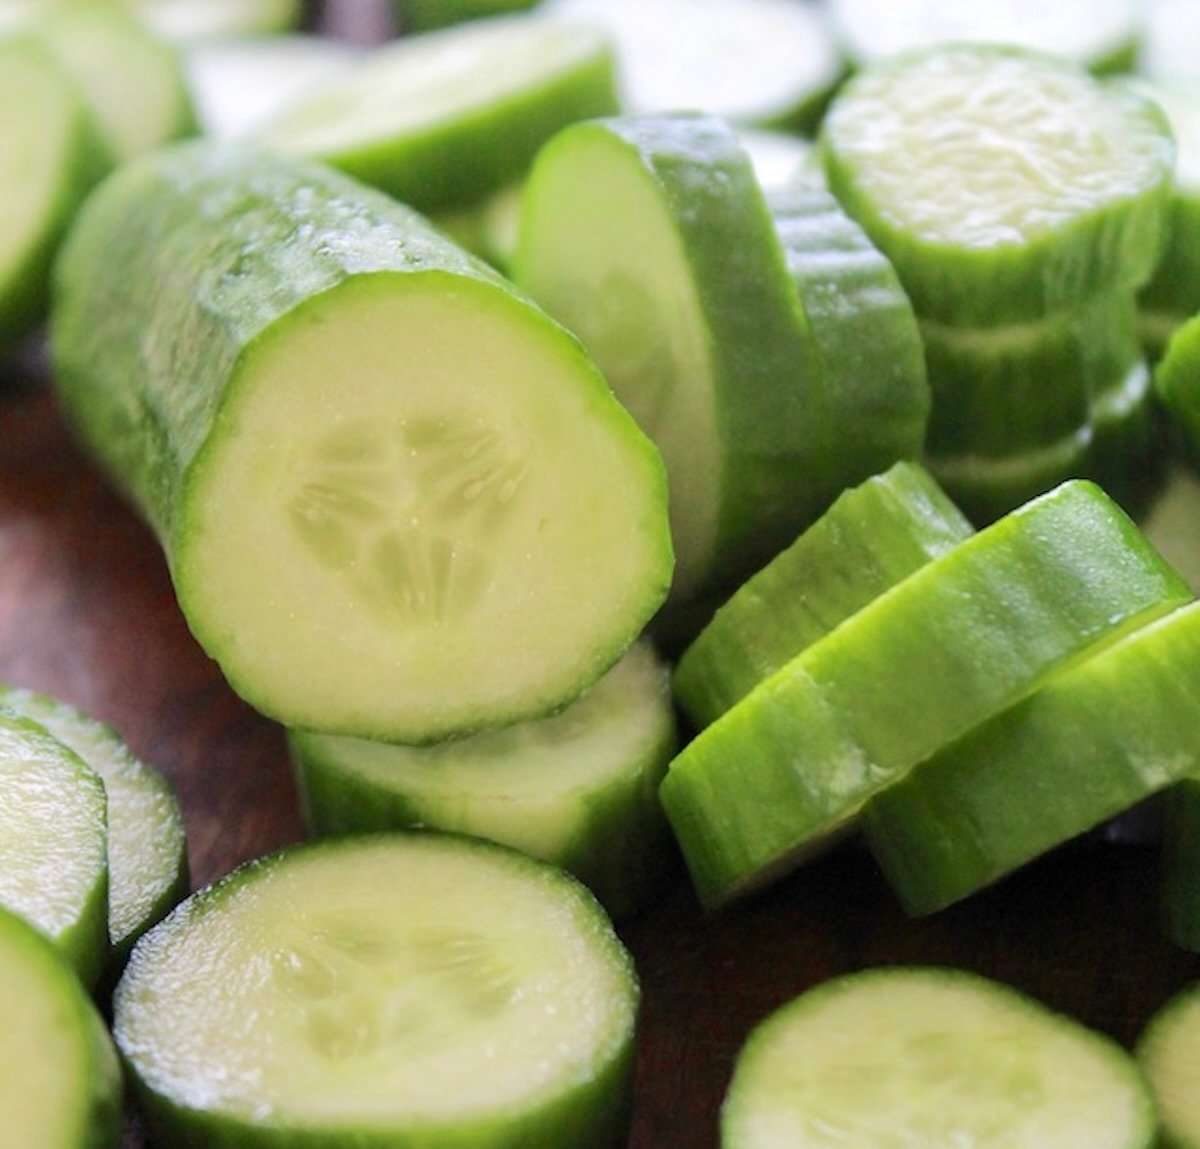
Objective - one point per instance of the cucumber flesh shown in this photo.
(922, 1056)
(578, 788)
(383, 990)
(1167, 1051)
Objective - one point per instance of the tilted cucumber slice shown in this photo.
(442, 119)
(1001, 183)
(384, 990)
(1097, 739)
(763, 62)
(1177, 384)
(435, 465)
(61, 1086)
(578, 788)
(959, 640)
(1167, 1051)
(873, 536)
(927, 1056)
(147, 847)
(53, 843)
(51, 155)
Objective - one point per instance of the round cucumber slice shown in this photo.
(1002, 183)
(1167, 1052)
(442, 119)
(929, 1056)
(53, 843)
(962, 638)
(61, 1086)
(435, 464)
(398, 989)
(1097, 739)
(873, 536)
(147, 847)
(578, 788)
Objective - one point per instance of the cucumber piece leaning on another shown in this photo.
(396, 498)
(1167, 1050)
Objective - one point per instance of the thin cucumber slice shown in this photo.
(962, 638)
(925, 1056)
(147, 847)
(1181, 863)
(1167, 1052)
(61, 1086)
(1001, 183)
(435, 463)
(443, 119)
(759, 62)
(1093, 742)
(51, 155)
(1104, 35)
(1177, 385)
(53, 843)
(387, 990)
(578, 788)
(240, 84)
(873, 536)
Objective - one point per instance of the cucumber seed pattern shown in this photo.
(407, 512)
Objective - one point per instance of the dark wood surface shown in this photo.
(87, 613)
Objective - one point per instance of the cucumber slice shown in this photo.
(1092, 743)
(925, 1056)
(443, 119)
(1177, 385)
(51, 155)
(1001, 183)
(578, 788)
(238, 85)
(873, 536)
(61, 1086)
(186, 21)
(435, 464)
(962, 638)
(147, 847)
(1167, 1051)
(760, 62)
(426, 15)
(392, 990)
(53, 843)
(1181, 863)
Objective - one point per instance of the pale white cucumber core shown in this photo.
(420, 488)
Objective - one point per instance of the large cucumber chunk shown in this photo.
(382, 991)
(382, 478)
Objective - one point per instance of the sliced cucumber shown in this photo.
(763, 62)
(391, 990)
(61, 1085)
(1001, 183)
(1177, 384)
(1167, 1051)
(443, 119)
(147, 847)
(924, 1056)
(425, 15)
(578, 788)
(1092, 743)
(53, 843)
(873, 536)
(187, 21)
(435, 464)
(964, 637)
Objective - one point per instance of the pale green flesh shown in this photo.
(1169, 1054)
(424, 519)
(614, 270)
(385, 982)
(917, 1059)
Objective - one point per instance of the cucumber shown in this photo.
(61, 1087)
(1177, 385)
(146, 846)
(928, 1056)
(418, 558)
(1002, 183)
(426, 15)
(1166, 1051)
(768, 63)
(784, 772)
(443, 119)
(873, 536)
(403, 989)
(179, 21)
(1181, 863)
(578, 788)
(51, 155)
(1172, 521)
(1093, 742)
(53, 843)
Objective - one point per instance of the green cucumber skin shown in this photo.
(1097, 739)
(1181, 863)
(872, 536)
